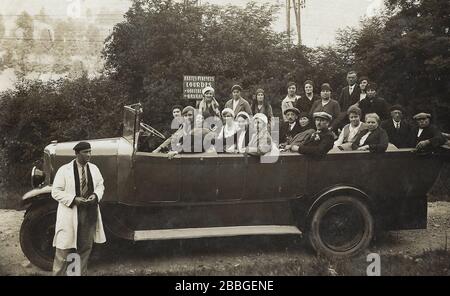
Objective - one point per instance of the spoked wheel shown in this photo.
(341, 226)
(36, 235)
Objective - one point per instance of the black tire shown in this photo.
(36, 235)
(341, 226)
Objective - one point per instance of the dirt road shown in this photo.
(234, 256)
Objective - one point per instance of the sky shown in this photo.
(320, 18)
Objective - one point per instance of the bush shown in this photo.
(36, 112)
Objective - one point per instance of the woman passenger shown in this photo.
(261, 141)
(242, 136)
(225, 137)
(306, 129)
(260, 104)
(350, 131)
(374, 138)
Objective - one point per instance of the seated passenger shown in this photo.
(319, 142)
(328, 105)
(374, 138)
(225, 136)
(374, 103)
(209, 107)
(289, 128)
(351, 130)
(425, 137)
(177, 124)
(192, 140)
(306, 129)
(261, 141)
(242, 136)
(398, 129)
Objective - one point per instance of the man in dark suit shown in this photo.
(290, 128)
(321, 141)
(397, 128)
(349, 96)
(425, 137)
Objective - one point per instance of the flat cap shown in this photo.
(81, 146)
(323, 115)
(292, 109)
(422, 115)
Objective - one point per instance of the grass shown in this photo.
(430, 263)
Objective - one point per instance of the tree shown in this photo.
(406, 52)
(24, 26)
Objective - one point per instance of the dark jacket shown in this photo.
(374, 105)
(304, 104)
(346, 100)
(317, 144)
(378, 140)
(242, 105)
(399, 137)
(287, 135)
(266, 110)
(331, 108)
(431, 133)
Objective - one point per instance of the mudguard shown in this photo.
(37, 194)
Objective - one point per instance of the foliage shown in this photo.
(407, 53)
(36, 112)
(404, 50)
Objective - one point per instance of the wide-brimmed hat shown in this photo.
(323, 115)
(292, 109)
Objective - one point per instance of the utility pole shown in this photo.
(288, 19)
(297, 5)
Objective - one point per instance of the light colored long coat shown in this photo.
(63, 191)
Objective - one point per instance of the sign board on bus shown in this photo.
(193, 85)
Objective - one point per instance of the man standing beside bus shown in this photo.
(78, 188)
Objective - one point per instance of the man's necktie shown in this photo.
(84, 187)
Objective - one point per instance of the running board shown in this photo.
(182, 233)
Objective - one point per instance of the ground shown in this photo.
(408, 252)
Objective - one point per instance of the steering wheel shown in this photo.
(147, 128)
